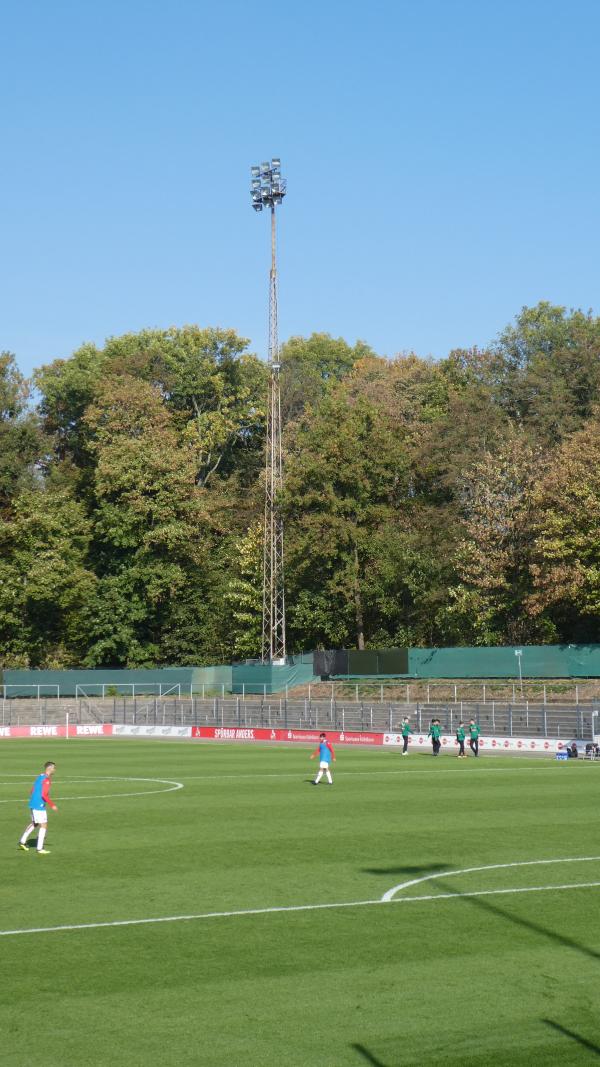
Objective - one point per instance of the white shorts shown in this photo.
(39, 817)
(323, 766)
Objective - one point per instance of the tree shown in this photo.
(161, 435)
(566, 555)
(245, 592)
(67, 387)
(148, 521)
(546, 371)
(21, 442)
(215, 390)
(419, 504)
(464, 425)
(45, 582)
(492, 559)
(345, 474)
(310, 366)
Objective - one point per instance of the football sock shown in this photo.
(26, 834)
(319, 776)
(41, 836)
(329, 778)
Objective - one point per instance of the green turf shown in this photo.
(497, 979)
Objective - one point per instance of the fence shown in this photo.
(135, 689)
(390, 691)
(480, 692)
(500, 719)
(36, 691)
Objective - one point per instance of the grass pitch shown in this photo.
(496, 966)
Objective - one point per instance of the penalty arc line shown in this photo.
(293, 908)
(173, 786)
(489, 867)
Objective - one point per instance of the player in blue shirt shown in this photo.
(326, 755)
(40, 796)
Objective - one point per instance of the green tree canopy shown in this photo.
(426, 502)
(310, 365)
(345, 475)
(148, 518)
(21, 442)
(546, 370)
(45, 582)
(566, 537)
(492, 559)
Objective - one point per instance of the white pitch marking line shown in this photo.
(483, 768)
(490, 867)
(267, 774)
(355, 774)
(173, 787)
(291, 908)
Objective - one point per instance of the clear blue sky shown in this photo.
(442, 156)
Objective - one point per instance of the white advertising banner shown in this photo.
(127, 730)
(486, 744)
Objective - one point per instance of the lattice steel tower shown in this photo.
(268, 190)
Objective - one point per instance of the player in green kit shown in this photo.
(474, 732)
(460, 737)
(435, 731)
(406, 732)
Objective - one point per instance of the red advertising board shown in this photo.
(263, 733)
(307, 737)
(91, 729)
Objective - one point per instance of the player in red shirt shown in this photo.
(326, 754)
(40, 796)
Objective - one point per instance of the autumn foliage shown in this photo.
(426, 502)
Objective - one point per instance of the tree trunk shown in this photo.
(358, 608)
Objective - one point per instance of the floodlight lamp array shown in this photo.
(267, 187)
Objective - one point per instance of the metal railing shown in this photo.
(113, 689)
(32, 692)
(472, 691)
(496, 718)
(391, 691)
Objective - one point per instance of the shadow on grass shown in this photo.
(374, 1061)
(589, 1045)
(484, 904)
(430, 869)
(367, 1056)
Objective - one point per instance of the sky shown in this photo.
(442, 158)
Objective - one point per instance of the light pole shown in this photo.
(518, 654)
(267, 190)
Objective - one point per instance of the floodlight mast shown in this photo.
(268, 189)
